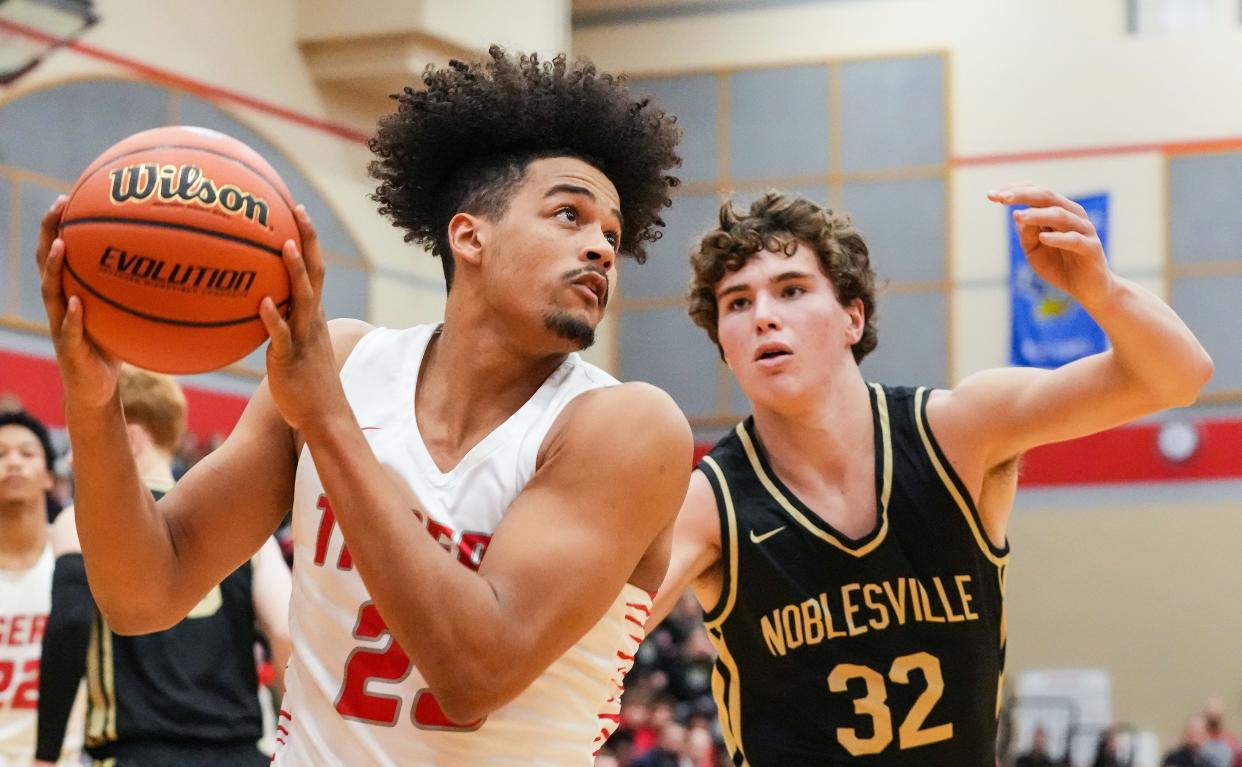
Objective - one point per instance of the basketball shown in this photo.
(172, 238)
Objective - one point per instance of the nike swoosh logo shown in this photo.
(761, 538)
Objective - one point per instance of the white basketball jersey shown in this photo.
(353, 696)
(25, 600)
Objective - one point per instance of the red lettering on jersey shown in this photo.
(16, 627)
(27, 693)
(468, 548)
(326, 524)
(38, 625)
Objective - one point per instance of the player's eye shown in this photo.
(613, 238)
(567, 213)
(737, 304)
(792, 291)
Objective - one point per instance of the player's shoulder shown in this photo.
(63, 534)
(346, 333)
(632, 416)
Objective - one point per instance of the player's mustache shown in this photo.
(574, 274)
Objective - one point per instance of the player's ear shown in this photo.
(468, 235)
(858, 320)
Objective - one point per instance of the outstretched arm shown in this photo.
(1155, 362)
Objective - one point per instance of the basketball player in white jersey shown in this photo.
(485, 514)
(25, 587)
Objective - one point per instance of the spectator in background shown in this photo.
(670, 750)
(10, 402)
(1221, 747)
(1106, 750)
(185, 696)
(26, 566)
(1038, 755)
(1188, 754)
(701, 747)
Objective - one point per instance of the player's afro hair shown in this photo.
(463, 144)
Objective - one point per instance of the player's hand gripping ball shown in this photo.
(172, 238)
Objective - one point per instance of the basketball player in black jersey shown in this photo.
(847, 540)
(186, 696)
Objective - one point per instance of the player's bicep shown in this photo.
(580, 528)
(225, 507)
(696, 546)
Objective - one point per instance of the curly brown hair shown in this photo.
(778, 222)
(463, 143)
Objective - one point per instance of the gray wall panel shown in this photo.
(902, 223)
(693, 101)
(1205, 194)
(667, 271)
(664, 348)
(778, 122)
(911, 348)
(35, 201)
(892, 113)
(5, 256)
(59, 131)
(1208, 305)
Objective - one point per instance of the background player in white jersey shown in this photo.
(25, 586)
(529, 179)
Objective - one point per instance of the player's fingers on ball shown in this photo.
(277, 328)
(48, 229)
(1057, 218)
(301, 292)
(50, 285)
(312, 255)
(71, 333)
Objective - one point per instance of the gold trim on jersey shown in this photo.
(729, 595)
(885, 488)
(728, 695)
(920, 402)
(100, 686)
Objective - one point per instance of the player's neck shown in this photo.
(23, 535)
(822, 435)
(470, 382)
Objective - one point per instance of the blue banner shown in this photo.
(1049, 328)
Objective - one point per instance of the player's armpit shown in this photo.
(612, 477)
(696, 549)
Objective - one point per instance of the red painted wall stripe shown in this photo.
(36, 381)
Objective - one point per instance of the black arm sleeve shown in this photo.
(64, 653)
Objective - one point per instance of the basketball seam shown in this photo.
(164, 320)
(172, 225)
(287, 201)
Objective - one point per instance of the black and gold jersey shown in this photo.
(885, 650)
(193, 683)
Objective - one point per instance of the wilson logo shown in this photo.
(184, 185)
(174, 275)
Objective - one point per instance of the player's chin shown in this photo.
(576, 328)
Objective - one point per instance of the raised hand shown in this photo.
(301, 366)
(1060, 242)
(88, 372)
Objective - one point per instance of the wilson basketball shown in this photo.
(172, 238)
